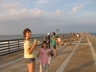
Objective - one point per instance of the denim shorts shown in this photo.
(29, 60)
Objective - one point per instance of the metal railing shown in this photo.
(93, 41)
(13, 45)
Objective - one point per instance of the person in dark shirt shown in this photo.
(48, 40)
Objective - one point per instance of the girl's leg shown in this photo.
(47, 68)
(31, 66)
(55, 52)
(41, 67)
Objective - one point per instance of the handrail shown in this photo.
(92, 40)
(13, 45)
(20, 39)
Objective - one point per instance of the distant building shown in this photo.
(57, 31)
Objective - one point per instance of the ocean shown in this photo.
(93, 34)
(8, 37)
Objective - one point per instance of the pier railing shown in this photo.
(93, 41)
(13, 45)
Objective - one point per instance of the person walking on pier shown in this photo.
(28, 50)
(44, 54)
(48, 39)
(53, 38)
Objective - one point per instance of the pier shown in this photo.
(78, 57)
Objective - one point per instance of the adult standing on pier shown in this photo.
(48, 39)
(28, 50)
(53, 38)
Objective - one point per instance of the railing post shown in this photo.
(95, 44)
(18, 44)
(9, 46)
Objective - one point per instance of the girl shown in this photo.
(44, 54)
(28, 50)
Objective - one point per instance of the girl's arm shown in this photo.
(48, 53)
(38, 54)
(30, 50)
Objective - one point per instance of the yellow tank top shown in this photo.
(28, 44)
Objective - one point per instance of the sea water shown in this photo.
(8, 37)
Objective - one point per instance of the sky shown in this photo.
(43, 16)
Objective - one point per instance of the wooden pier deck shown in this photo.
(78, 57)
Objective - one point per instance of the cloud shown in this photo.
(13, 14)
(77, 8)
(43, 1)
(57, 13)
(34, 16)
(11, 5)
(17, 13)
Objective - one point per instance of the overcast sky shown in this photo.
(43, 16)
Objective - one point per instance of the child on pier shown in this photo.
(44, 54)
(29, 50)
